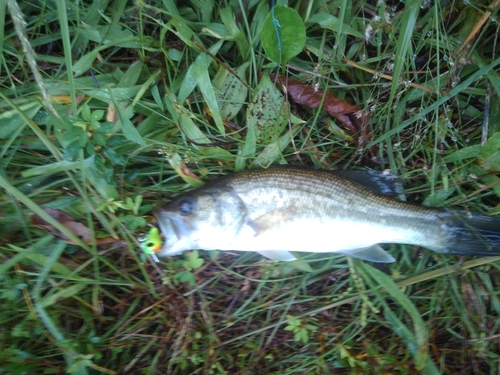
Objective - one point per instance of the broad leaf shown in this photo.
(283, 34)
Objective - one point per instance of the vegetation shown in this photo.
(109, 107)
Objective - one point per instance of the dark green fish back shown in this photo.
(318, 182)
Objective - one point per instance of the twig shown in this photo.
(388, 77)
(478, 26)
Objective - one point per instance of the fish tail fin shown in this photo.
(472, 234)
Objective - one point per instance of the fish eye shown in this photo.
(186, 206)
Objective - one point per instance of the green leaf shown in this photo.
(117, 36)
(85, 63)
(132, 222)
(190, 81)
(463, 154)
(86, 112)
(40, 259)
(99, 139)
(131, 75)
(129, 130)
(264, 122)
(417, 342)
(202, 78)
(97, 177)
(487, 178)
(300, 265)
(97, 115)
(248, 149)
(105, 127)
(72, 151)
(293, 321)
(229, 20)
(186, 277)
(71, 134)
(232, 92)
(113, 156)
(10, 121)
(62, 294)
(90, 32)
(489, 156)
(305, 336)
(194, 261)
(292, 34)
(330, 22)
(273, 151)
(90, 148)
(50, 169)
(267, 113)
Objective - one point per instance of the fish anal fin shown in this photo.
(373, 253)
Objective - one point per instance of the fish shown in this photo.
(277, 211)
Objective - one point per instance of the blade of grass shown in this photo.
(417, 342)
(30, 55)
(434, 274)
(23, 253)
(40, 212)
(407, 27)
(68, 53)
(58, 156)
(3, 6)
(78, 368)
(453, 92)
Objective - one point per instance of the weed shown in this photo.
(109, 108)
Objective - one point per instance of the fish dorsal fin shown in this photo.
(278, 255)
(372, 254)
(381, 183)
(378, 182)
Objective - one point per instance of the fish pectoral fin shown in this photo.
(272, 219)
(278, 255)
(373, 253)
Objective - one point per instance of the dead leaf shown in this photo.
(77, 228)
(186, 172)
(183, 170)
(66, 99)
(352, 117)
(111, 114)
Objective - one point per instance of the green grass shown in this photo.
(149, 99)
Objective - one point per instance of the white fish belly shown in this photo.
(315, 236)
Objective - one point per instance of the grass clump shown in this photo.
(129, 104)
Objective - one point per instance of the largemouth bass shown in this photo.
(278, 210)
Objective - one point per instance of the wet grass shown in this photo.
(133, 103)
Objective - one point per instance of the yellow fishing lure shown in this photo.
(152, 243)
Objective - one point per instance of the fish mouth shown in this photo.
(175, 233)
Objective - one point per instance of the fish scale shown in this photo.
(323, 195)
(277, 210)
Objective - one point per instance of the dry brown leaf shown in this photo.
(75, 227)
(111, 114)
(186, 172)
(352, 117)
